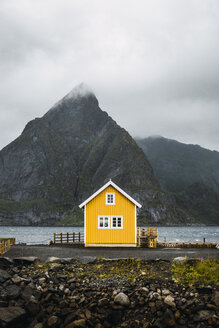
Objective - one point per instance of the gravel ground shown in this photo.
(43, 252)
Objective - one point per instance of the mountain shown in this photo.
(189, 172)
(63, 157)
(201, 202)
(178, 165)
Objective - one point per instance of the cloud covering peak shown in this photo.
(154, 65)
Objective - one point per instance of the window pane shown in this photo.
(114, 222)
(119, 222)
(101, 222)
(106, 224)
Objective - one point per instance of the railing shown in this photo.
(69, 238)
(5, 244)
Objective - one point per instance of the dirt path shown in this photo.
(43, 252)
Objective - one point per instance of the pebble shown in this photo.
(59, 298)
(169, 300)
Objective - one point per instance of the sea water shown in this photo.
(42, 235)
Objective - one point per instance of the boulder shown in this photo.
(122, 299)
(87, 259)
(215, 298)
(10, 315)
(5, 262)
(203, 315)
(10, 292)
(25, 260)
(4, 276)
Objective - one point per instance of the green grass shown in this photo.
(204, 272)
(71, 220)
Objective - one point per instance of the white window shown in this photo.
(116, 222)
(110, 198)
(103, 222)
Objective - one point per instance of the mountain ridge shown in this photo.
(63, 157)
(189, 172)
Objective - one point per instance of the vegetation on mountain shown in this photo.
(61, 158)
(190, 173)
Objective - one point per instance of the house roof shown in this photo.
(110, 183)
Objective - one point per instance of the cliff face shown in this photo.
(63, 157)
(178, 165)
(190, 172)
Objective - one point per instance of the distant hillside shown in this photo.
(63, 157)
(190, 173)
(200, 202)
(178, 165)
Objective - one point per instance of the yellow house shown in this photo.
(110, 217)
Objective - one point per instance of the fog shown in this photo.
(153, 65)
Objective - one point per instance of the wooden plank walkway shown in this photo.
(5, 244)
(74, 238)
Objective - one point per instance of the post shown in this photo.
(54, 238)
(67, 237)
(61, 237)
(73, 237)
(203, 240)
(79, 236)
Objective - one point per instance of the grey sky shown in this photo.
(153, 65)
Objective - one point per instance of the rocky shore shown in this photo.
(104, 293)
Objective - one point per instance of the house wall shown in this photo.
(97, 207)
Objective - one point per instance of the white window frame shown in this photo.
(110, 193)
(103, 216)
(116, 216)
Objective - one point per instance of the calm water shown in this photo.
(41, 235)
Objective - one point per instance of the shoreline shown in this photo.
(99, 293)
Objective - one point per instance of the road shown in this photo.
(43, 252)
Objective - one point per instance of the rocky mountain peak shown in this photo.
(79, 97)
(64, 156)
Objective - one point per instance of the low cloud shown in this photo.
(153, 65)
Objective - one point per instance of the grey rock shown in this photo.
(122, 299)
(52, 321)
(103, 302)
(215, 298)
(25, 260)
(4, 276)
(87, 259)
(27, 293)
(11, 314)
(53, 259)
(169, 300)
(203, 315)
(165, 292)
(5, 262)
(167, 320)
(180, 259)
(10, 292)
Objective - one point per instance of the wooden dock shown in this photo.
(5, 244)
(74, 238)
(147, 237)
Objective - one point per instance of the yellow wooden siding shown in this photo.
(97, 207)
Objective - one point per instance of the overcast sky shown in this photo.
(153, 64)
